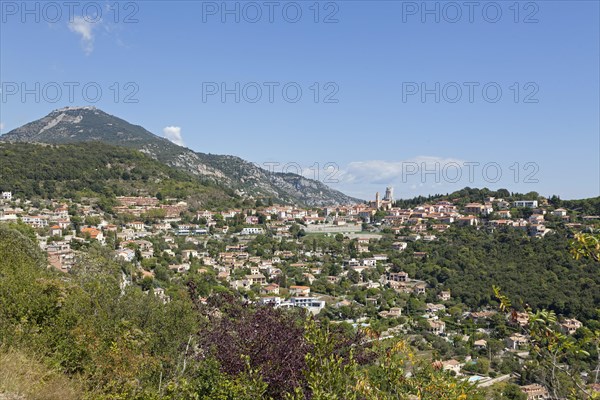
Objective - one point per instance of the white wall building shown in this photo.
(526, 203)
(252, 231)
(313, 304)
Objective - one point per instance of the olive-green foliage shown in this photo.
(331, 376)
(29, 296)
(467, 195)
(536, 271)
(118, 341)
(96, 170)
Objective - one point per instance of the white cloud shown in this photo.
(85, 29)
(1, 126)
(388, 172)
(173, 133)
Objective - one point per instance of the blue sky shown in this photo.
(368, 125)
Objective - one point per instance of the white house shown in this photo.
(398, 277)
(300, 291)
(137, 225)
(313, 304)
(560, 212)
(399, 246)
(189, 254)
(36, 221)
(526, 203)
(252, 231)
(516, 341)
(436, 327)
(8, 216)
(444, 295)
(452, 365)
(6, 195)
(570, 326)
(369, 262)
(126, 254)
(503, 204)
(488, 209)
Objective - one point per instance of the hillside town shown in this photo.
(340, 262)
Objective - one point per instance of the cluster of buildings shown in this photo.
(491, 213)
(423, 222)
(57, 232)
(61, 225)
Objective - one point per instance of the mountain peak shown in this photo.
(90, 124)
(81, 124)
(75, 108)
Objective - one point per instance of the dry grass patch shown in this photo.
(24, 378)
